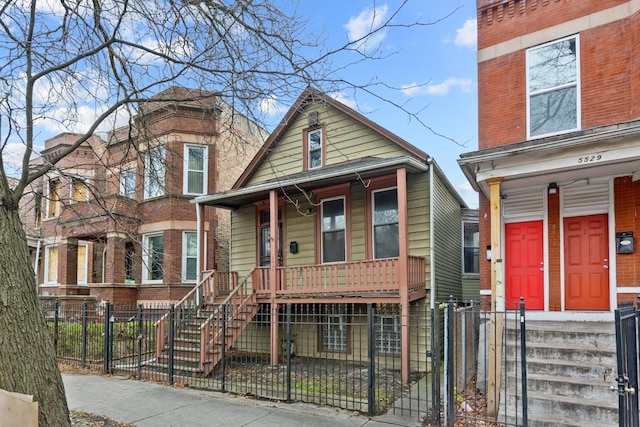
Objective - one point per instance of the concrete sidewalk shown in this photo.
(150, 404)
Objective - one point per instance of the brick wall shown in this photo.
(609, 75)
(627, 199)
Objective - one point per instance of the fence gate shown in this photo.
(627, 354)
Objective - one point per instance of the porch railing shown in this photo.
(379, 275)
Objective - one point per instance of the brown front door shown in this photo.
(524, 265)
(586, 263)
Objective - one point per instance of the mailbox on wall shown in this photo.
(624, 242)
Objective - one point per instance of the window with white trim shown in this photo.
(82, 264)
(471, 247)
(51, 265)
(388, 337)
(153, 258)
(189, 256)
(195, 169)
(154, 173)
(553, 95)
(386, 240)
(128, 183)
(333, 230)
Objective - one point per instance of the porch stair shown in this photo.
(199, 340)
(570, 369)
(209, 318)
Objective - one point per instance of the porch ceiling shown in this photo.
(331, 175)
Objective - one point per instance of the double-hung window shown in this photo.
(189, 256)
(315, 143)
(333, 230)
(128, 183)
(195, 169)
(471, 248)
(154, 172)
(385, 224)
(553, 95)
(153, 250)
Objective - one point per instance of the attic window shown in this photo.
(314, 148)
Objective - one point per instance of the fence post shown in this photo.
(435, 363)
(83, 360)
(172, 330)
(448, 365)
(107, 337)
(139, 338)
(56, 315)
(371, 350)
(288, 348)
(223, 349)
(523, 358)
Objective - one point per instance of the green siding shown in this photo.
(243, 243)
(345, 139)
(299, 227)
(447, 240)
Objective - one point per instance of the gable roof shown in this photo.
(311, 94)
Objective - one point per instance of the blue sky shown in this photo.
(441, 57)
(431, 67)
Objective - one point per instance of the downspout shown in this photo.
(199, 254)
(36, 261)
(432, 277)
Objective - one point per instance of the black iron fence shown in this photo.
(344, 355)
(626, 320)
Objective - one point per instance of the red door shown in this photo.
(586, 263)
(524, 273)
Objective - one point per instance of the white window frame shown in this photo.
(125, 191)
(186, 170)
(576, 83)
(146, 259)
(86, 264)
(47, 260)
(322, 229)
(159, 177)
(320, 150)
(389, 341)
(373, 219)
(464, 246)
(186, 257)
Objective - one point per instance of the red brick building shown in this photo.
(558, 165)
(114, 218)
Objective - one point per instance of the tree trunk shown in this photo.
(27, 358)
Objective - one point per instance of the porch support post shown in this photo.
(273, 273)
(403, 265)
(497, 298)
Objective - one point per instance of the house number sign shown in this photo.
(590, 158)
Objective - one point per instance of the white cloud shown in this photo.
(360, 28)
(441, 89)
(467, 35)
(270, 106)
(342, 98)
(468, 194)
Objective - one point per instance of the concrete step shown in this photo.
(587, 388)
(541, 405)
(565, 352)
